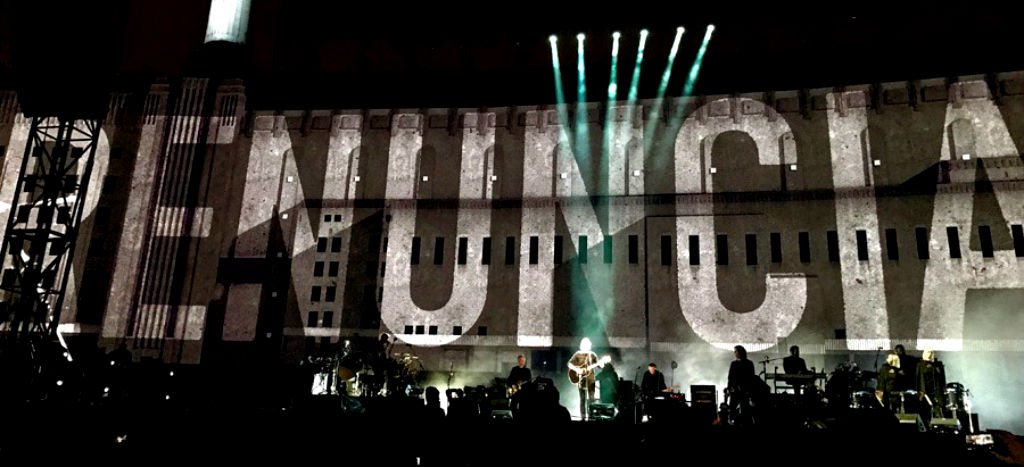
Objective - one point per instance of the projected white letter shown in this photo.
(469, 288)
(867, 324)
(785, 295)
(976, 130)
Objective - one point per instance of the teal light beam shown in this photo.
(563, 117)
(662, 87)
(582, 148)
(613, 89)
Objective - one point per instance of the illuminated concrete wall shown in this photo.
(839, 220)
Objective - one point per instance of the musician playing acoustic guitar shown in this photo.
(581, 373)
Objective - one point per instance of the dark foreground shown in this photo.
(394, 436)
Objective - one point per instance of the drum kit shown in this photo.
(363, 377)
(850, 387)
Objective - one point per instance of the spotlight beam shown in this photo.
(662, 87)
(563, 117)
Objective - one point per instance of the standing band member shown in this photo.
(581, 373)
(519, 375)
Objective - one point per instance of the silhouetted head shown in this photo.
(586, 345)
(740, 352)
(652, 367)
(432, 395)
(794, 351)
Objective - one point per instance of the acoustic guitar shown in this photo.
(575, 376)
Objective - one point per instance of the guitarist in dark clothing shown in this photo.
(581, 373)
(520, 374)
(742, 386)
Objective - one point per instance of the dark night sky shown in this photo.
(383, 54)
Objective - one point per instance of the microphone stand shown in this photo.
(451, 373)
(636, 396)
(764, 365)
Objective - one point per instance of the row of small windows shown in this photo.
(328, 293)
(321, 244)
(313, 320)
(892, 252)
(892, 249)
(432, 330)
(336, 217)
(332, 269)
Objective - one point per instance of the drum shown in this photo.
(955, 396)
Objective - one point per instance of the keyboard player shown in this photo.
(794, 365)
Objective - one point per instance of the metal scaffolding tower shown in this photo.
(45, 214)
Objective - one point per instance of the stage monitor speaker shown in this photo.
(704, 401)
(911, 421)
(704, 394)
(602, 411)
(625, 392)
(945, 424)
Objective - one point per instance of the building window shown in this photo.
(832, 243)
(666, 250)
(485, 251)
(414, 255)
(438, 251)
(985, 238)
(862, 245)
(921, 236)
(462, 253)
(722, 249)
(751, 244)
(775, 243)
(804, 244)
(510, 250)
(892, 245)
(953, 235)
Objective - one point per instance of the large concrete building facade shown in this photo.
(844, 220)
